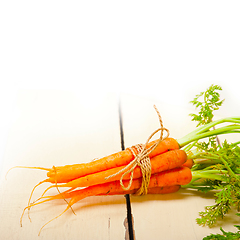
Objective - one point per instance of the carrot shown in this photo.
(164, 190)
(159, 163)
(176, 176)
(189, 163)
(63, 174)
(165, 161)
(172, 177)
(67, 173)
(162, 162)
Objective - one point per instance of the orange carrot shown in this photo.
(189, 163)
(63, 174)
(167, 160)
(159, 163)
(176, 176)
(164, 190)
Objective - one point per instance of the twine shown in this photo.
(142, 159)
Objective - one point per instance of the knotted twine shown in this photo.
(142, 159)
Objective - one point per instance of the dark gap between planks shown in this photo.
(127, 196)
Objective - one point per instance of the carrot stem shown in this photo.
(204, 132)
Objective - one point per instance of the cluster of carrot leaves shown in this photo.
(216, 167)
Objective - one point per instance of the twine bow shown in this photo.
(142, 159)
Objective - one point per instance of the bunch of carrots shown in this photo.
(170, 169)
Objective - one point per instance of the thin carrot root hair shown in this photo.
(29, 206)
(49, 198)
(37, 202)
(32, 195)
(53, 186)
(48, 188)
(53, 219)
(73, 200)
(39, 168)
(54, 197)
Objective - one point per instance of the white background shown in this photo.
(167, 50)
(164, 50)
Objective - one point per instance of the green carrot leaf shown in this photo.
(207, 102)
(224, 236)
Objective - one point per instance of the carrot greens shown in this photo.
(217, 169)
(210, 102)
(196, 161)
(216, 166)
(225, 235)
(203, 131)
(207, 102)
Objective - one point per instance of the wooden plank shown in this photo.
(59, 128)
(169, 216)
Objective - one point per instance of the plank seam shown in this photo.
(127, 196)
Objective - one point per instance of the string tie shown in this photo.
(141, 159)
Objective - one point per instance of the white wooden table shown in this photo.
(59, 128)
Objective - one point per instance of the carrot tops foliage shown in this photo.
(216, 166)
(210, 102)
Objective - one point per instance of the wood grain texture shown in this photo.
(170, 216)
(58, 128)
